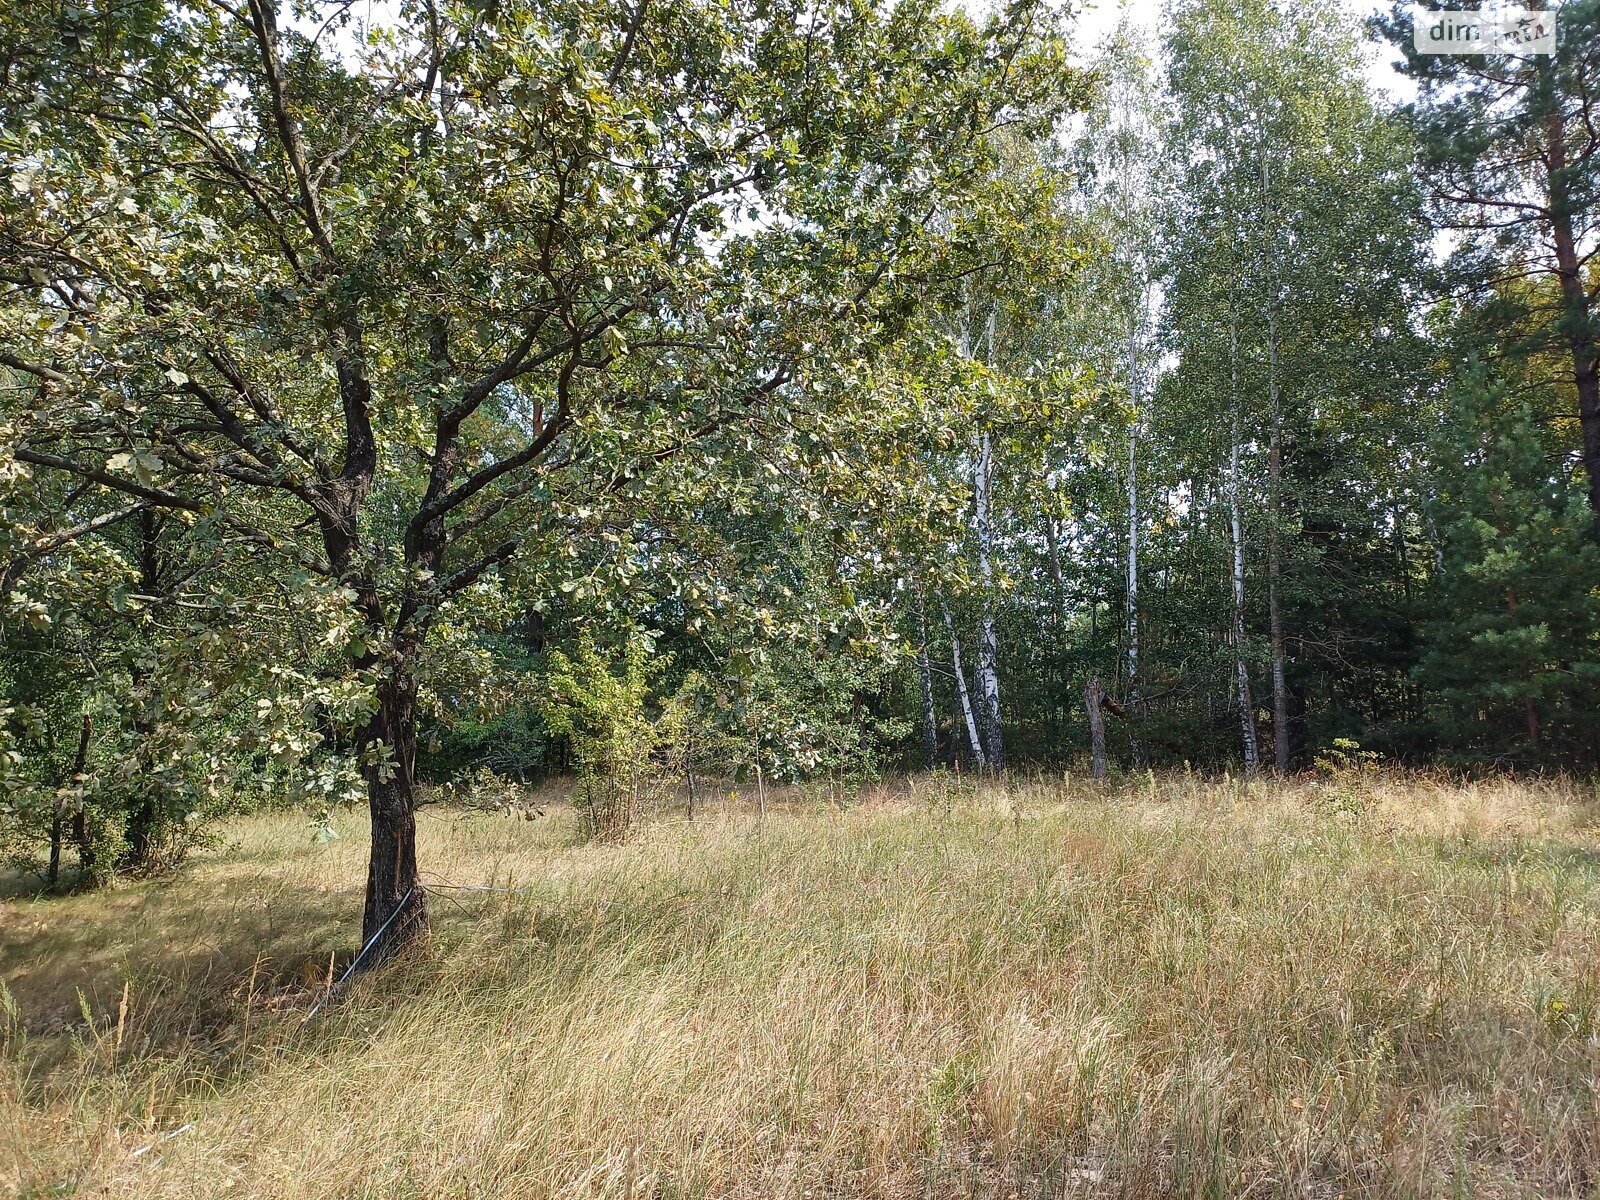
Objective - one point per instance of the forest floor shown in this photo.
(1364, 986)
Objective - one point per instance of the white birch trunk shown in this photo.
(1133, 568)
(988, 648)
(1280, 689)
(1247, 716)
(1431, 532)
(973, 740)
(1135, 395)
(1134, 193)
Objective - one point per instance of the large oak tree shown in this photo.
(386, 304)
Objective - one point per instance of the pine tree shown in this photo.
(1513, 660)
(1510, 149)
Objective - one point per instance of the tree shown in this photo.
(1121, 155)
(604, 709)
(1511, 155)
(1296, 258)
(1512, 660)
(405, 314)
(131, 664)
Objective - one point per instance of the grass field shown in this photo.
(1369, 986)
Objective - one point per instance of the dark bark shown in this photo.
(1299, 722)
(53, 874)
(139, 831)
(87, 859)
(1577, 318)
(1093, 700)
(533, 631)
(930, 732)
(396, 904)
(395, 913)
(79, 761)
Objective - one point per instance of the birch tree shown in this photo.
(930, 724)
(1121, 154)
(1247, 711)
(988, 647)
(1293, 186)
(975, 742)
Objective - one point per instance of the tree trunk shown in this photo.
(140, 830)
(79, 762)
(1577, 317)
(930, 731)
(1052, 541)
(53, 873)
(1402, 552)
(1132, 690)
(688, 773)
(1247, 716)
(1280, 690)
(140, 834)
(396, 910)
(1430, 531)
(1052, 544)
(1530, 713)
(988, 670)
(80, 839)
(1136, 398)
(1092, 695)
(961, 692)
(80, 818)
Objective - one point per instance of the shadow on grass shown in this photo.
(183, 946)
(191, 954)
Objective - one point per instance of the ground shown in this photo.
(1370, 985)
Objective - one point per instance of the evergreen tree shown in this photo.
(1510, 150)
(1512, 663)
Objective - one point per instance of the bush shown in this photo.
(601, 704)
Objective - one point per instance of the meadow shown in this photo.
(1365, 985)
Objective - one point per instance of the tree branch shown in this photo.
(263, 20)
(28, 368)
(156, 496)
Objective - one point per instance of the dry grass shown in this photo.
(1365, 987)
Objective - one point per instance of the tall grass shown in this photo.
(1372, 986)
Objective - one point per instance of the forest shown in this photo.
(631, 421)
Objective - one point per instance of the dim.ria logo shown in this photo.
(1483, 31)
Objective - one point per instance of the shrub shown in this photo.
(601, 703)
